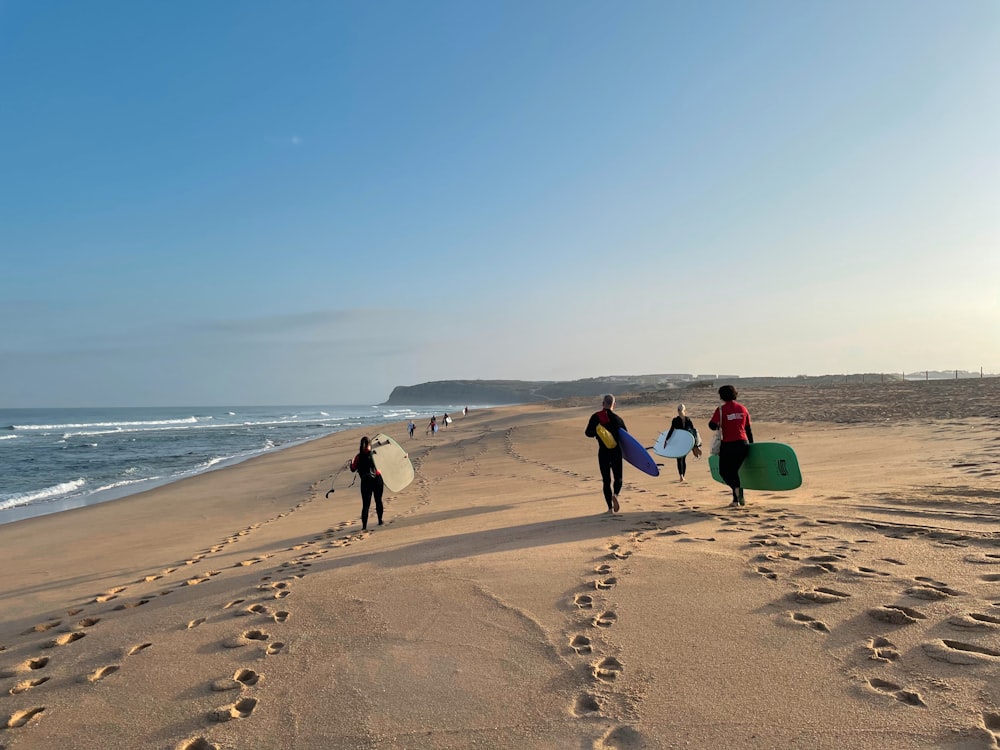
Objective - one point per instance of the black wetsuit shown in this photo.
(682, 423)
(609, 460)
(371, 485)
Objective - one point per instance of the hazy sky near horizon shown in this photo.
(312, 202)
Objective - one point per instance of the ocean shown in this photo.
(56, 459)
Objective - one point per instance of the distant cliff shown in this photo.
(499, 392)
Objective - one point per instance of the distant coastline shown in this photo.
(506, 392)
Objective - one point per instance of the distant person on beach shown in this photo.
(683, 422)
(371, 481)
(465, 411)
(734, 421)
(411, 428)
(444, 420)
(433, 426)
(609, 459)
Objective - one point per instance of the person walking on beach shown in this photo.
(371, 482)
(733, 419)
(683, 422)
(432, 428)
(411, 428)
(604, 426)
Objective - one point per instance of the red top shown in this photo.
(734, 418)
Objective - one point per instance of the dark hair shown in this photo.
(364, 444)
(728, 393)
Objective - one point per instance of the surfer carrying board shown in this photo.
(604, 426)
(734, 421)
(683, 422)
(371, 481)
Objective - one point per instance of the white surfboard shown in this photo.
(392, 462)
(680, 444)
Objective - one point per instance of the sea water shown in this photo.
(55, 459)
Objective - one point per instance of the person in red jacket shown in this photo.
(734, 421)
(609, 459)
(371, 481)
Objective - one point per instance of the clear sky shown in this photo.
(312, 202)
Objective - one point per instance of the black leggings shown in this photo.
(610, 461)
(731, 458)
(371, 487)
(682, 465)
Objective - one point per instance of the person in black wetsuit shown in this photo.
(683, 422)
(371, 481)
(609, 460)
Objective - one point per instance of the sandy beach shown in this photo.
(500, 607)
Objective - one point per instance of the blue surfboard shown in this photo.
(635, 454)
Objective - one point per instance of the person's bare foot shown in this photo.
(614, 503)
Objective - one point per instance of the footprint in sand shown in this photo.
(931, 593)
(99, 674)
(586, 705)
(882, 649)
(767, 573)
(885, 687)
(241, 709)
(88, 622)
(974, 620)
(129, 605)
(233, 603)
(29, 665)
(246, 638)
(957, 652)
(603, 570)
(281, 616)
(895, 614)
(581, 644)
(195, 623)
(607, 583)
(983, 559)
(583, 601)
(63, 640)
(274, 648)
(604, 620)
(991, 723)
(241, 678)
(42, 627)
(621, 738)
(821, 595)
(607, 670)
(26, 685)
(810, 622)
(138, 647)
(21, 718)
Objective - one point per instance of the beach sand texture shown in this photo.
(499, 607)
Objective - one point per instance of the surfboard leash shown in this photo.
(334, 480)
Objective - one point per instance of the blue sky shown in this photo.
(248, 202)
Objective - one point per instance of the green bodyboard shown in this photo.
(770, 466)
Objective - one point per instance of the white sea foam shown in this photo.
(23, 498)
(211, 462)
(7, 437)
(124, 483)
(88, 425)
